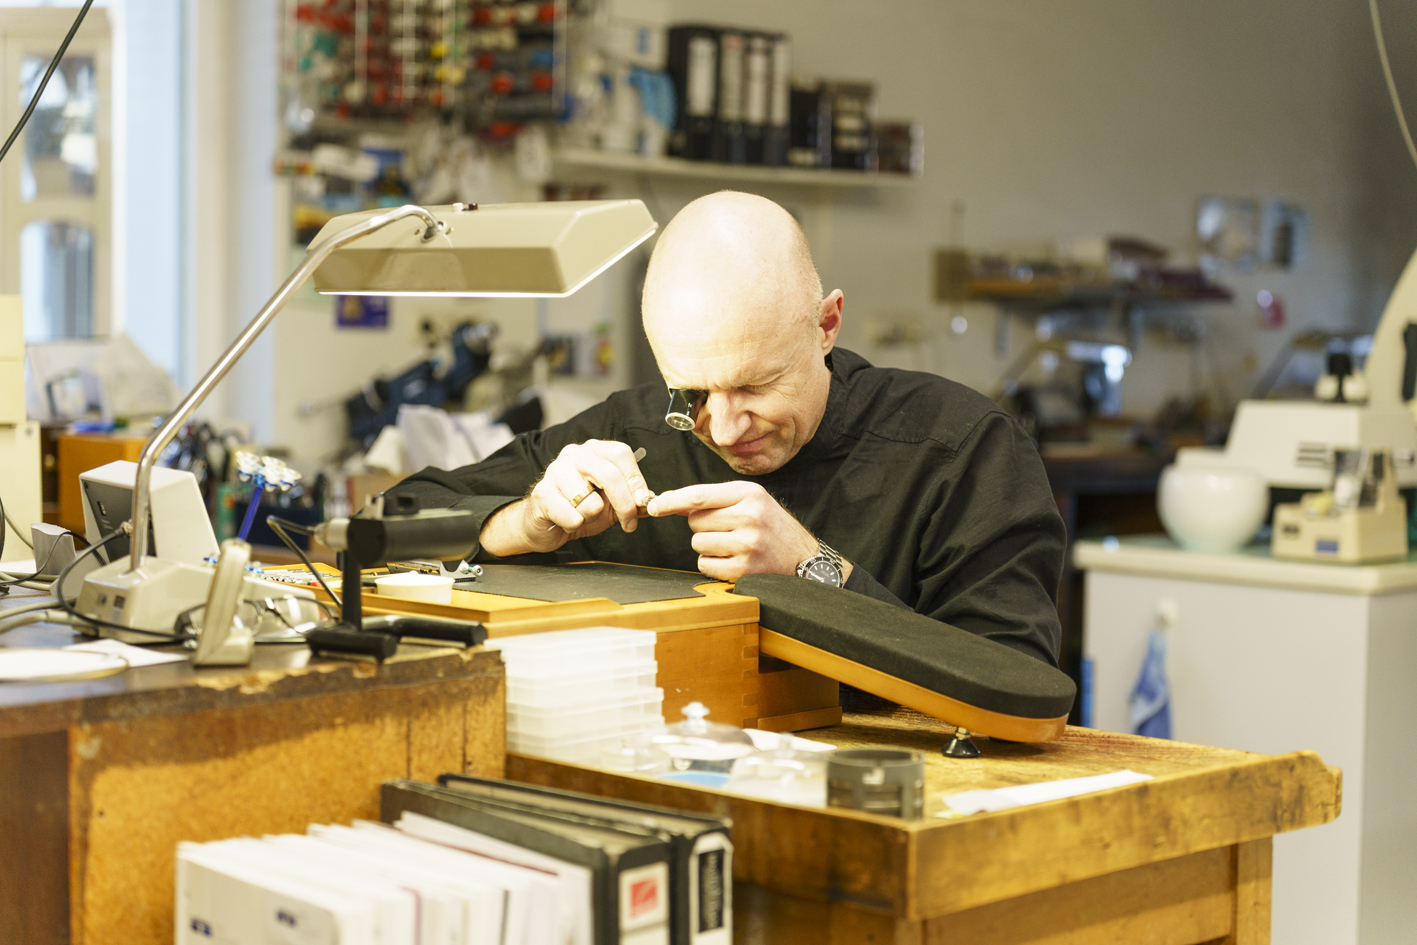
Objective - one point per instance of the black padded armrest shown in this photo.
(925, 652)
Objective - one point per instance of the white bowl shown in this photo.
(431, 588)
(1211, 508)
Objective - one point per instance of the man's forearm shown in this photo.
(503, 533)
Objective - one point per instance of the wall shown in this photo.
(1048, 122)
(1052, 122)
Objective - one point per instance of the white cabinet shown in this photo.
(1275, 656)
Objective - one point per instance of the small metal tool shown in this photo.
(576, 500)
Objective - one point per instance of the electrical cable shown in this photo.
(50, 614)
(13, 581)
(1391, 85)
(163, 636)
(19, 532)
(279, 525)
(53, 64)
(25, 609)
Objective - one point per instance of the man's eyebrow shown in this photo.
(758, 380)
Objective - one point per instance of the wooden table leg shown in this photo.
(1253, 870)
(34, 839)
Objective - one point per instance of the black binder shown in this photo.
(701, 873)
(777, 133)
(730, 141)
(693, 67)
(631, 889)
(757, 94)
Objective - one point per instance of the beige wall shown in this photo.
(1055, 121)
(1050, 122)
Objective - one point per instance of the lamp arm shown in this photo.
(175, 420)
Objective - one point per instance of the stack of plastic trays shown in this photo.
(572, 692)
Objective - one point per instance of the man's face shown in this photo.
(766, 383)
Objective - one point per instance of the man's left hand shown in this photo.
(739, 529)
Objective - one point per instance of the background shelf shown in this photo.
(584, 159)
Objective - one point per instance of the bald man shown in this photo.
(799, 457)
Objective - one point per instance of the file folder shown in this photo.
(701, 874)
(631, 887)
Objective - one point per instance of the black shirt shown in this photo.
(936, 496)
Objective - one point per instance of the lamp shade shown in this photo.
(510, 249)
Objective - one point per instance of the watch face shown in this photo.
(824, 572)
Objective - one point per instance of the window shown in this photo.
(55, 200)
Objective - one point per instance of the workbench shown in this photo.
(103, 778)
(1179, 860)
(706, 648)
(100, 779)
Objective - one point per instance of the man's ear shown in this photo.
(829, 322)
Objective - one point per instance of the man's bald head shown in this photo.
(733, 307)
(730, 264)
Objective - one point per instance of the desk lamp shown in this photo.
(519, 250)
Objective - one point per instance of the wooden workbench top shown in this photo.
(1201, 799)
(277, 672)
(509, 616)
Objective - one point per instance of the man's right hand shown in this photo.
(602, 474)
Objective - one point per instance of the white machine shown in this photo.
(1360, 518)
(1293, 444)
(181, 530)
(124, 603)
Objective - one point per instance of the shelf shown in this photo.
(1060, 293)
(584, 159)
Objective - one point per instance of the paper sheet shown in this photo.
(1019, 795)
(135, 655)
(772, 741)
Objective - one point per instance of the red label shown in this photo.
(644, 897)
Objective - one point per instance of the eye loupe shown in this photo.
(684, 407)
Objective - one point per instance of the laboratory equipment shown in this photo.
(178, 581)
(375, 538)
(179, 530)
(1359, 518)
(1292, 443)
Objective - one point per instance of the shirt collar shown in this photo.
(828, 436)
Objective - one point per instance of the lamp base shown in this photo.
(152, 597)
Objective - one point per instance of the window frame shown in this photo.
(38, 32)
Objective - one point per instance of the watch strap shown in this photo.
(827, 554)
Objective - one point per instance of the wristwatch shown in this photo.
(824, 566)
